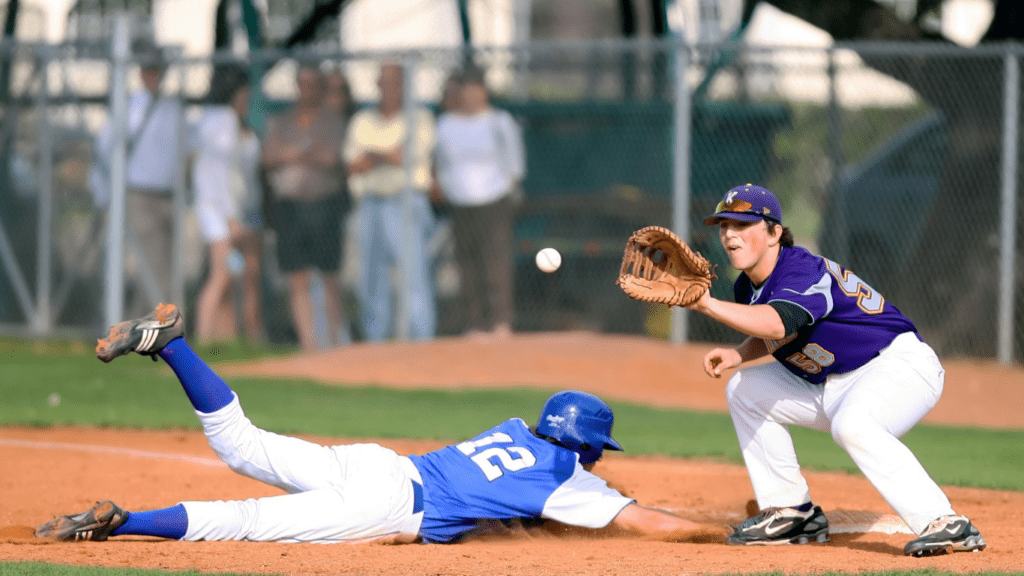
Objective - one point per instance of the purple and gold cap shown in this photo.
(748, 203)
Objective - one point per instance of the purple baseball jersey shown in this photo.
(850, 321)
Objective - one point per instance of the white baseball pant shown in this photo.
(866, 410)
(355, 492)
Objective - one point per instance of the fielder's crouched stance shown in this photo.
(848, 363)
(368, 492)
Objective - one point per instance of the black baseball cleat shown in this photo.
(777, 526)
(147, 335)
(95, 524)
(946, 534)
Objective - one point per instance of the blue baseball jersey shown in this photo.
(850, 321)
(507, 473)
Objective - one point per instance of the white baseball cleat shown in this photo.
(946, 534)
(777, 526)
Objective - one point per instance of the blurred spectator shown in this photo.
(228, 206)
(480, 166)
(377, 180)
(301, 154)
(448, 103)
(450, 91)
(154, 155)
(338, 96)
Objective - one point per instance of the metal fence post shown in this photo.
(682, 114)
(1008, 223)
(403, 288)
(836, 161)
(42, 321)
(179, 202)
(116, 216)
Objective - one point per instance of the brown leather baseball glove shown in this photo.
(659, 267)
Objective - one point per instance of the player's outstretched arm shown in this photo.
(761, 320)
(661, 525)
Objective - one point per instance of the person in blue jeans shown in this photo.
(365, 492)
(393, 210)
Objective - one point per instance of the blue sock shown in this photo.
(166, 523)
(805, 507)
(207, 392)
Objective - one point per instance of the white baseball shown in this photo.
(549, 260)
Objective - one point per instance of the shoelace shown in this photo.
(940, 524)
(757, 519)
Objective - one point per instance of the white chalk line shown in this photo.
(113, 450)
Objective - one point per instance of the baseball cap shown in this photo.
(748, 203)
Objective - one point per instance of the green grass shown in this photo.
(136, 393)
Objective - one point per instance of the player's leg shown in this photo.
(377, 498)
(380, 497)
(871, 408)
(107, 519)
(292, 464)
(289, 463)
(763, 401)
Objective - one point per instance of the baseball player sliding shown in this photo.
(848, 363)
(365, 492)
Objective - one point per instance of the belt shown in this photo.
(417, 497)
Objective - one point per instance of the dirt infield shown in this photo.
(53, 471)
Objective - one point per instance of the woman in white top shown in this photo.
(228, 206)
(480, 165)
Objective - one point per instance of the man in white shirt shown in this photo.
(153, 161)
(376, 166)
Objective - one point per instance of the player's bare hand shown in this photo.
(721, 359)
(703, 303)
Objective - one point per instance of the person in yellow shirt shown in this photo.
(375, 157)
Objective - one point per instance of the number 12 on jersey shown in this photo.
(492, 470)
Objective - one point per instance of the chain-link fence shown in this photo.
(899, 161)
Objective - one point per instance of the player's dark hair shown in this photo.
(786, 240)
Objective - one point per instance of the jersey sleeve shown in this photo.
(585, 500)
(804, 282)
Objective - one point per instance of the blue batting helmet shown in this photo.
(579, 421)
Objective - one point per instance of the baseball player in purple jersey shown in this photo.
(847, 362)
(365, 492)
